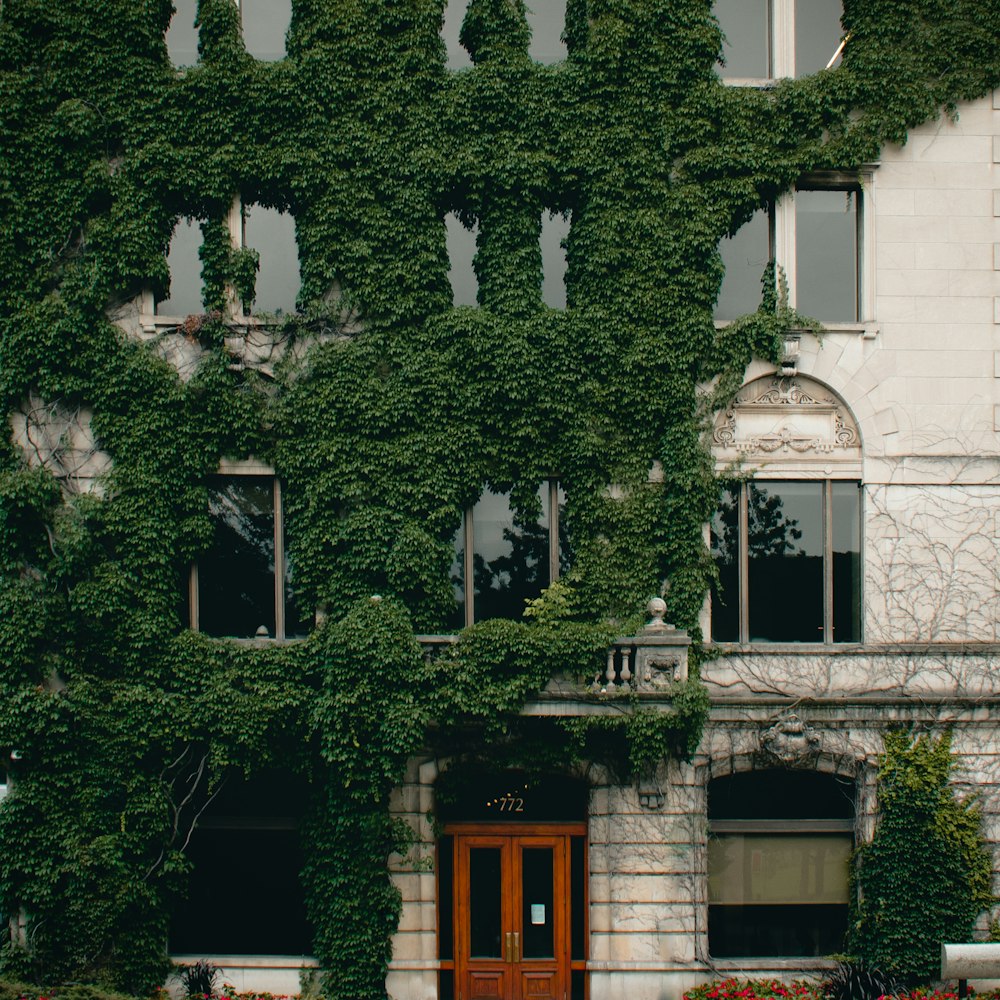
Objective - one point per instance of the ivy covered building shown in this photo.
(366, 369)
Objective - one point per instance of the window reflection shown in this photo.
(817, 34)
(546, 19)
(182, 35)
(826, 254)
(461, 245)
(185, 271)
(746, 27)
(265, 24)
(511, 559)
(769, 542)
(272, 234)
(555, 230)
(745, 255)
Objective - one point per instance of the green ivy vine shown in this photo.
(382, 437)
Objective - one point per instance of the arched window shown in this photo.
(778, 852)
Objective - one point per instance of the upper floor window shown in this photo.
(265, 24)
(552, 242)
(788, 556)
(456, 55)
(272, 234)
(182, 35)
(461, 245)
(546, 19)
(242, 587)
(778, 853)
(185, 271)
(827, 253)
(764, 39)
(745, 255)
(503, 560)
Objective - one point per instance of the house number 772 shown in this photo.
(508, 803)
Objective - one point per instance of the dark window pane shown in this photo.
(817, 34)
(446, 889)
(546, 19)
(578, 984)
(577, 898)
(510, 558)
(265, 24)
(446, 984)
(747, 30)
(236, 576)
(846, 562)
(777, 794)
(182, 36)
(461, 244)
(826, 255)
(457, 56)
(792, 931)
(565, 542)
(555, 229)
(185, 271)
(484, 902)
(298, 621)
(457, 618)
(745, 255)
(725, 552)
(272, 234)
(785, 569)
(537, 894)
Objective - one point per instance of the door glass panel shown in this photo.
(537, 898)
(484, 902)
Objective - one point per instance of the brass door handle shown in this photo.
(509, 959)
(517, 947)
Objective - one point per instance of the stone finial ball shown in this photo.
(657, 607)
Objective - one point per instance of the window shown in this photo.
(788, 555)
(247, 860)
(546, 19)
(182, 35)
(185, 271)
(501, 560)
(552, 242)
(827, 282)
(745, 255)
(778, 853)
(272, 234)
(461, 245)
(764, 39)
(236, 590)
(265, 24)
(456, 55)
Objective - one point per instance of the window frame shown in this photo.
(468, 548)
(250, 469)
(743, 565)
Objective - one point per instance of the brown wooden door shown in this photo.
(511, 916)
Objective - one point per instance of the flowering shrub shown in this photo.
(755, 989)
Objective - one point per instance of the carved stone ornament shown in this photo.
(786, 414)
(790, 741)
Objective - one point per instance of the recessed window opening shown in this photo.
(461, 245)
(246, 851)
(456, 55)
(185, 271)
(778, 853)
(265, 25)
(501, 560)
(817, 34)
(745, 254)
(182, 35)
(552, 242)
(746, 44)
(827, 257)
(547, 20)
(272, 234)
(242, 587)
(788, 555)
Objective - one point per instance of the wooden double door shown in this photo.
(512, 914)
